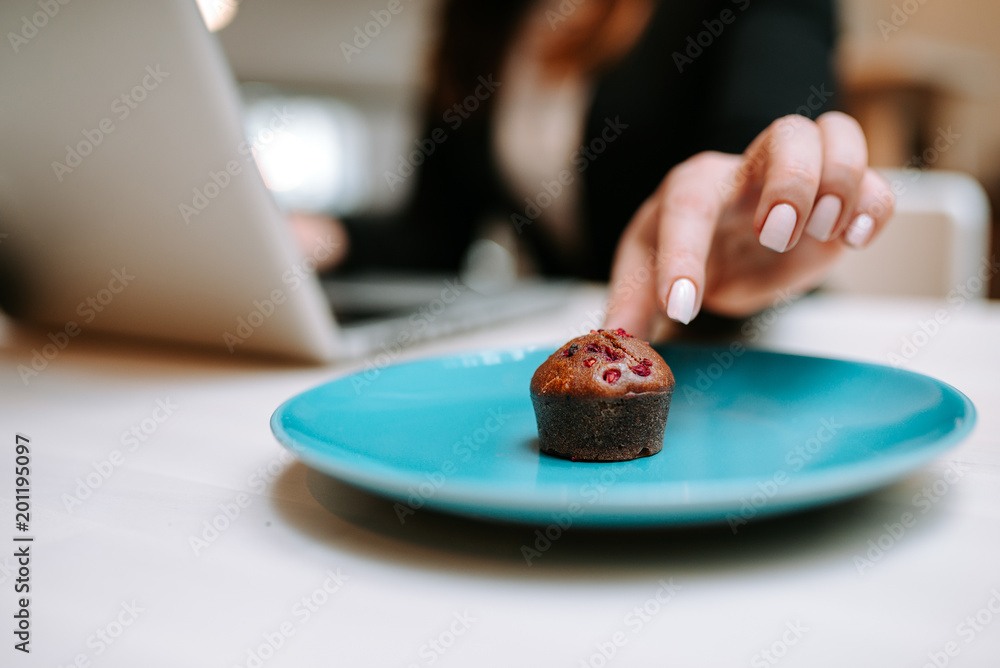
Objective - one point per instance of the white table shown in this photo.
(339, 581)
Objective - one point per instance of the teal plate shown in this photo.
(749, 435)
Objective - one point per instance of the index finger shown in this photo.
(691, 202)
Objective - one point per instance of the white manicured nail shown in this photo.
(824, 216)
(680, 303)
(778, 227)
(860, 230)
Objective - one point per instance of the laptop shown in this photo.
(130, 201)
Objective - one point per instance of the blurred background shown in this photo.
(913, 72)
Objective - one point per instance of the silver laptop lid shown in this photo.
(129, 197)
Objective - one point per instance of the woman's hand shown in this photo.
(727, 232)
(319, 237)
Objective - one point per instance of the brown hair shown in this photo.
(587, 35)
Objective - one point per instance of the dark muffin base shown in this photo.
(613, 429)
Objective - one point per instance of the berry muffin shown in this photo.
(602, 397)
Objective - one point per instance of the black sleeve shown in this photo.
(777, 61)
(454, 190)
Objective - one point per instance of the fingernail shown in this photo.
(778, 227)
(824, 216)
(680, 303)
(860, 230)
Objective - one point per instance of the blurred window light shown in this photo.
(217, 14)
(312, 152)
(285, 160)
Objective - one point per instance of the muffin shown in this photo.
(602, 397)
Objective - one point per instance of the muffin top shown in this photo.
(604, 363)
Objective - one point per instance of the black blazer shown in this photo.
(703, 75)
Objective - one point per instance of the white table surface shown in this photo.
(450, 592)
